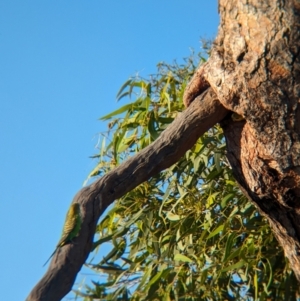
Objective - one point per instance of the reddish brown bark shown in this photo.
(254, 70)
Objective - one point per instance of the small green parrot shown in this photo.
(71, 227)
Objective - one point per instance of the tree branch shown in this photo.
(180, 136)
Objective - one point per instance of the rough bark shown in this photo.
(180, 136)
(254, 70)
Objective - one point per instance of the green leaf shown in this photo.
(183, 258)
(211, 199)
(123, 87)
(160, 274)
(123, 95)
(173, 217)
(145, 277)
(110, 269)
(216, 231)
(165, 120)
(217, 157)
(229, 244)
(233, 267)
(117, 112)
(227, 198)
(152, 127)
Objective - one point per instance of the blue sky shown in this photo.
(62, 63)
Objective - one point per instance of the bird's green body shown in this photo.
(71, 227)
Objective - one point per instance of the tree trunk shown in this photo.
(254, 70)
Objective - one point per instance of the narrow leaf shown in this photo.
(183, 258)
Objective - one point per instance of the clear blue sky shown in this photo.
(61, 65)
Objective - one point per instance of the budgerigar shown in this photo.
(71, 227)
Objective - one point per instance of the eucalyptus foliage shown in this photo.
(188, 233)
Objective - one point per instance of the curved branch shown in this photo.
(180, 136)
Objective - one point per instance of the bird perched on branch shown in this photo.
(71, 227)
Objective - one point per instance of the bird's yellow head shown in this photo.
(75, 208)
